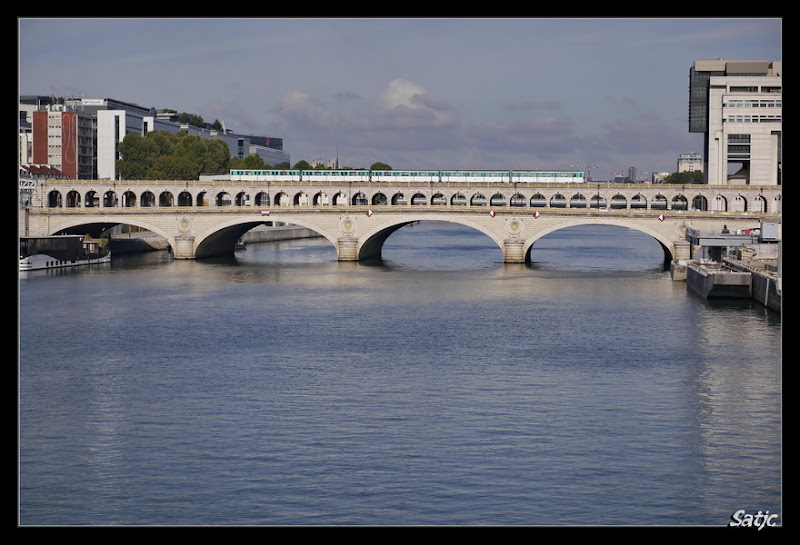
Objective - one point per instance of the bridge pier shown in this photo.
(347, 249)
(514, 250)
(183, 248)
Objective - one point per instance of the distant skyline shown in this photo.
(426, 93)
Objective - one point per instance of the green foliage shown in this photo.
(302, 165)
(685, 178)
(380, 166)
(162, 155)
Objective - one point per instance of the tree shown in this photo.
(685, 178)
(380, 166)
(191, 119)
(165, 155)
(302, 165)
(137, 155)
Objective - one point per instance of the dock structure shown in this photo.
(713, 280)
(740, 264)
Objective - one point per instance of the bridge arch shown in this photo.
(221, 239)
(371, 243)
(82, 225)
(667, 245)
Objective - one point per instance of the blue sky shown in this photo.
(430, 93)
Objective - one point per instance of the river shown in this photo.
(438, 387)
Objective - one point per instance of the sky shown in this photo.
(593, 94)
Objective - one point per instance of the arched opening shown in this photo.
(184, 198)
(577, 201)
(739, 204)
(379, 199)
(497, 200)
(418, 199)
(517, 200)
(165, 199)
(638, 202)
(478, 200)
(431, 245)
(398, 199)
(128, 199)
(73, 199)
(242, 199)
(599, 247)
(147, 200)
(598, 201)
(700, 203)
(658, 202)
(321, 199)
(224, 199)
(558, 201)
(54, 199)
(359, 199)
(91, 199)
(300, 199)
(438, 200)
(539, 201)
(109, 199)
(679, 202)
(458, 200)
(619, 202)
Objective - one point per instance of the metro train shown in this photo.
(428, 176)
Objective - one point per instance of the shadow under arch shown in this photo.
(666, 246)
(222, 240)
(94, 228)
(371, 247)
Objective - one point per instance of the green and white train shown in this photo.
(428, 176)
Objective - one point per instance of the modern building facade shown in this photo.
(63, 140)
(737, 106)
(86, 133)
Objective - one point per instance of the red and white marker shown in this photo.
(265, 212)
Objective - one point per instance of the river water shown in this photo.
(439, 386)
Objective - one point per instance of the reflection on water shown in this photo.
(438, 386)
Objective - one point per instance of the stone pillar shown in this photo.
(347, 249)
(683, 250)
(183, 247)
(513, 250)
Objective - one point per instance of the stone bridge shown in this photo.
(202, 219)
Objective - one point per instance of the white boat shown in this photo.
(61, 251)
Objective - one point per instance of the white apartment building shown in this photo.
(690, 162)
(737, 105)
